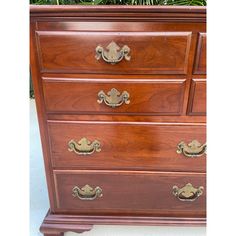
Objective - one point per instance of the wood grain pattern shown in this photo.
(200, 60)
(81, 95)
(151, 52)
(165, 76)
(144, 193)
(80, 222)
(126, 146)
(65, 24)
(178, 120)
(197, 98)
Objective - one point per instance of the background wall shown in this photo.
(39, 203)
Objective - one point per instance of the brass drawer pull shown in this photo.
(114, 98)
(87, 192)
(84, 146)
(193, 149)
(188, 192)
(113, 54)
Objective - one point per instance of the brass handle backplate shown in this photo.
(84, 146)
(193, 149)
(188, 192)
(87, 192)
(113, 54)
(113, 98)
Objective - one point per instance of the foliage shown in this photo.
(120, 2)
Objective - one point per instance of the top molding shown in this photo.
(159, 13)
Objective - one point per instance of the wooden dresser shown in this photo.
(121, 101)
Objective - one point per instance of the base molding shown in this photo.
(57, 224)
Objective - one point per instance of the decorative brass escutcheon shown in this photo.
(193, 149)
(87, 192)
(114, 98)
(113, 54)
(84, 146)
(188, 192)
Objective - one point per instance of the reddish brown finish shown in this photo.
(168, 47)
(81, 95)
(145, 193)
(200, 61)
(56, 220)
(132, 146)
(117, 26)
(183, 119)
(197, 99)
(52, 227)
(54, 234)
(151, 52)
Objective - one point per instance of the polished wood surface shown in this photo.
(138, 164)
(144, 193)
(146, 96)
(200, 61)
(197, 100)
(151, 52)
(130, 146)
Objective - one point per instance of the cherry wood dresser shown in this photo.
(121, 101)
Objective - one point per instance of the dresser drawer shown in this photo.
(162, 97)
(197, 98)
(114, 52)
(200, 59)
(130, 192)
(125, 145)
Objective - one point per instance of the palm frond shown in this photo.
(121, 2)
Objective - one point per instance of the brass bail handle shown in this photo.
(188, 192)
(84, 146)
(193, 149)
(113, 53)
(113, 98)
(87, 192)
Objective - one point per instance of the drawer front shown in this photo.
(125, 145)
(99, 52)
(130, 192)
(161, 97)
(197, 98)
(200, 59)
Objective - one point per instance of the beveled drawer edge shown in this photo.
(182, 71)
(132, 172)
(58, 79)
(126, 122)
(192, 90)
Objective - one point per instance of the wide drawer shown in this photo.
(162, 97)
(99, 52)
(126, 145)
(90, 192)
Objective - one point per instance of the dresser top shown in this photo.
(191, 13)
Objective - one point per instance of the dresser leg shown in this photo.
(57, 225)
(54, 234)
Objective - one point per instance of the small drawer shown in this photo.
(114, 52)
(197, 98)
(200, 58)
(127, 145)
(160, 97)
(146, 193)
